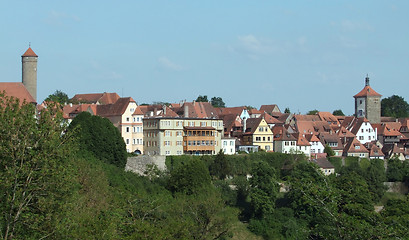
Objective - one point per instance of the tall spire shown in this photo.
(367, 80)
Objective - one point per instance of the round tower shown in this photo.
(29, 69)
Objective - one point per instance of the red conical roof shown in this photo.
(29, 53)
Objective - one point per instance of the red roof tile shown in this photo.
(29, 53)
(17, 90)
(367, 92)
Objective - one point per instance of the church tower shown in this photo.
(368, 103)
(29, 76)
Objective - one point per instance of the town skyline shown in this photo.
(299, 56)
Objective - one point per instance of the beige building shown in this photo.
(258, 133)
(177, 136)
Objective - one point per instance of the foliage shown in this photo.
(220, 167)
(337, 162)
(201, 98)
(287, 110)
(98, 136)
(394, 106)
(58, 97)
(263, 189)
(329, 151)
(190, 178)
(35, 171)
(217, 102)
(312, 112)
(338, 113)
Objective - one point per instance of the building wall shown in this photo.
(29, 75)
(137, 133)
(366, 133)
(228, 146)
(373, 109)
(360, 107)
(166, 136)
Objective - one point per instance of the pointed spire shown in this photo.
(367, 80)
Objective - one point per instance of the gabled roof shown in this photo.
(254, 111)
(301, 117)
(367, 91)
(138, 111)
(17, 90)
(357, 123)
(384, 129)
(328, 117)
(312, 138)
(354, 146)
(343, 132)
(269, 108)
(197, 110)
(374, 151)
(269, 119)
(230, 110)
(281, 134)
(116, 109)
(29, 53)
(301, 140)
(101, 98)
(252, 125)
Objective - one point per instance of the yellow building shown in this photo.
(258, 133)
(177, 136)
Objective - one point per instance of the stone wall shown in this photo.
(396, 187)
(138, 164)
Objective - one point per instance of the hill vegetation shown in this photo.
(54, 185)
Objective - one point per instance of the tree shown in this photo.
(394, 106)
(338, 113)
(287, 110)
(191, 178)
(312, 112)
(34, 170)
(201, 98)
(58, 97)
(217, 102)
(100, 137)
(220, 167)
(328, 150)
(263, 189)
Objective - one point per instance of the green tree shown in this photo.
(338, 113)
(201, 98)
(35, 173)
(287, 110)
(100, 137)
(220, 167)
(217, 102)
(58, 97)
(394, 106)
(190, 178)
(263, 189)
(312, 112)
(328, 150)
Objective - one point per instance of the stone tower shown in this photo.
(29, 76)
(368, 103)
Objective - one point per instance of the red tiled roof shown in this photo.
(102, 98)
(198, 110)
(269, 108)
(29, 53)
(269, 119)
(367, 91)
(17, 90)
(116, 109)
(138, 111)
(301, 140)
(354, 146)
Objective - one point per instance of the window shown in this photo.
(286, 143)
(231, 143)
(260, 129)
(127, 141)
(264, 138)
(127, 129)
(361, 137)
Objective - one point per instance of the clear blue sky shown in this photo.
(299, 54)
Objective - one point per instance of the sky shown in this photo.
(303, 55)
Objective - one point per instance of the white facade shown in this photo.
(229, 146)
(366, 133)
(317, 147)
(285, 146)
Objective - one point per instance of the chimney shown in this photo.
(186, 110)
(155, 111)
(164, 110)
(244, 124)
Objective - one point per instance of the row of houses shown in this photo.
(199, 128)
